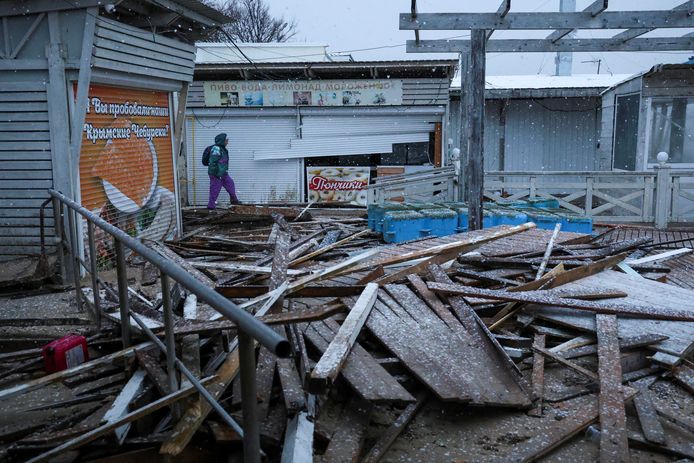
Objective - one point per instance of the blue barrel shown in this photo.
(399, 226)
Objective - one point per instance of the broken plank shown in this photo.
(538, 376)
(48, 379)
(119, 407)
(104, 429)
(195, 414)
(347, 441)
(660, 257)
(291, 385)
(330, 363)
(264, 377)
(539, 297)
(577, 368)
(548, 251)
(684, 375)
(308, 291)
(361, 371)
(388, 437)
(459, 246)
(327, 248)
(626, 343)
(298, 442)
(648, 416)
(155, 372)
(614, 444)
(241, 268)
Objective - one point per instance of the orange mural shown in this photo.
(126, 162)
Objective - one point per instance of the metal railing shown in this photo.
(249, 328)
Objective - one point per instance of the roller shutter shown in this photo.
(127, 173)
(257, 181)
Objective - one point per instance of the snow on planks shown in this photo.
(452, 362)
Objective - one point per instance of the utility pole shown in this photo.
(564, 59)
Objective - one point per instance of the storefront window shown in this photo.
(672, 129)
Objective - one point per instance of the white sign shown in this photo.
(242, 93)
(338, 184)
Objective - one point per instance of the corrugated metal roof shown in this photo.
(546, 82)
(200, 8)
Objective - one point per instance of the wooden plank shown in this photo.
(347, 441)
(265, 375)
(361, 371)
(332, 360)
(298, 442)
(104, 429)
(155, 372)
(538, 297)
(648, 416)
(459, 246)
(291, 385)
(327, 248)
(538, 376)
(308, 291)
(548, 251)
(195, 415)
(388, 437)
(660, 257)
(58, 376)
(577, 368)
(614, 443)
(119, 407)
(684, 375)
(555, 434)
(241, 268)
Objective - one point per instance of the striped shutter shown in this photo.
(127, 174)
(256, 181)
(25, 167)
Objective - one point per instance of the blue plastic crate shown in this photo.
(543, 220)
(439, 222)
(577, 224)
(377, 213)
(399, 226)
(464, 215)
(537, 203)
(503, 216)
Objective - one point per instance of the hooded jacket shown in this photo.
(219, 157)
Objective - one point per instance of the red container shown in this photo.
(64, 353)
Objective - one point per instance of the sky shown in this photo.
(353, 25)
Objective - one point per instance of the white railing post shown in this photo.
(647, 209)
(533, 187)
(662, 196)
(589, 197)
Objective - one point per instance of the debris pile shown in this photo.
(565, 332)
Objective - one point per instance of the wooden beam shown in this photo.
(104, 429)
(330, 363)
(561, 360)
(595, 8)
(388, 437)
(546, 20)
(648, 416)
(538, 376)
(637, 31)
(542, 298)
(545, 46)
(614, 443)
(475, 121)
(658, 257)
(548, 251)
(308, 291)
(298, 441)
(329, 247)
(119, 407)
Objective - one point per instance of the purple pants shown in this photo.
(216, 184)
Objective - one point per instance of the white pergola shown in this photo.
(561, 24)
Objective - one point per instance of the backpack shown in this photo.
(206, 156)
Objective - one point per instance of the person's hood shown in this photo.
(220, 139)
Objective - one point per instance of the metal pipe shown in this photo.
(194, 381)
(121, 270)
(75, 258)
(245, 321)
(251, 439)
(58, 219)
(169, 330)
(93, 272)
